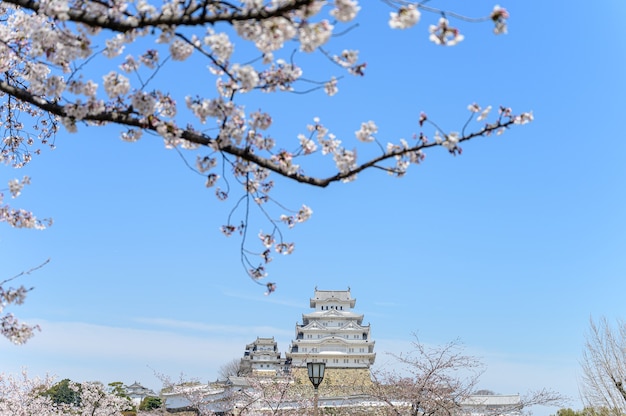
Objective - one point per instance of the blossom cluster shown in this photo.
(444, 34)
(10, 327)
(17, 217)
(408, 15)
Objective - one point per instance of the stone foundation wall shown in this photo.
(337, 381)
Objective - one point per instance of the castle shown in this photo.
(332, 333)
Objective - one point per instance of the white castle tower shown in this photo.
(332, 334)
(262, 357)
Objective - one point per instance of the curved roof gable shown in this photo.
(325, 296)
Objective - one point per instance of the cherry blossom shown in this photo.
(405, 17)
(444, 34)
(364, 134)
(82, 64)
(220, 44)
(345, 10)
(115, 84)
(483, 115)
(499, 16)
(331, 87)
(17, 217)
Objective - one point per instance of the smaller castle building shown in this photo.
(262, 357)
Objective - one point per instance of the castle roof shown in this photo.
(332, 295)
(331, 314)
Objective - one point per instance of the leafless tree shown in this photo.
(435, 380)
(441, 380)
(231, 368)
(604, 366)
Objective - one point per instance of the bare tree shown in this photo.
(440, 380)
(542, 397)
(604, 366)
(231, 368)
(434, 380)
(276, 395)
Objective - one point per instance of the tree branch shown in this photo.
(187, 18)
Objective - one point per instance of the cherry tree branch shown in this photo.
(186, 18)
(127, 118)
(24, 273)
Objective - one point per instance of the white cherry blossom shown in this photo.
(345, 10)
(405, 17)
(331, 87)
(499, 16)
(365, 133)
(220, 44)
(247, 76)
(116, 84)
(444, 34)
(180, 50)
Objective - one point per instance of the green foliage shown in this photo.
(568, 412)
(61, 393)
(150, 403)
(589, 411)
(117, 388)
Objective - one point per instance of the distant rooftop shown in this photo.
(492, 400)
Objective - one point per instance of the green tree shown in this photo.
(117, 388)
(63, 393)
(150, 403)
(588, 411)
(567, 412)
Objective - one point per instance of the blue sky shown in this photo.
(511, 247)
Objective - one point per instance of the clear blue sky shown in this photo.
(511, 247)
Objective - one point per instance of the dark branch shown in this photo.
(186, 19)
